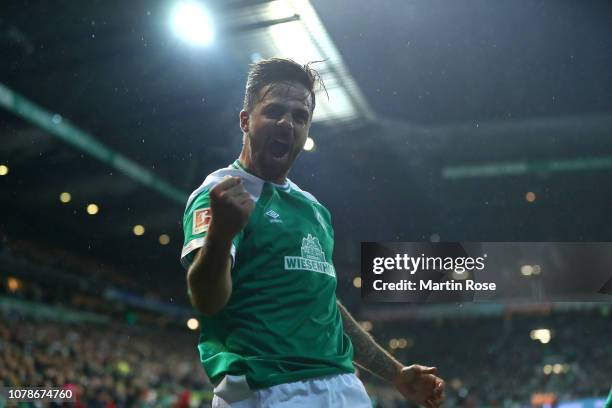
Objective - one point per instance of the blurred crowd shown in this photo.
(494, 361)
(148, 359)
(69, 268)
(486, 361)
(111, 366)
(52, 276)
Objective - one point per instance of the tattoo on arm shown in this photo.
(368, 354)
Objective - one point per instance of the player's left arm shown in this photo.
(416, 382)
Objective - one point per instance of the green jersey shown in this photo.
(281, 323)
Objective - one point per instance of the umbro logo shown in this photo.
(273, 216)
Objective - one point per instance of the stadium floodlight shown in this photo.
(138, 230)
(92, 209)
(292, 29)
(190, 22)
(526, 270)
(530, 196)
(164, 239)
(13, 284)
(193, 323)
(541, 335)
(65, 197)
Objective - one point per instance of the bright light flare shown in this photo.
(92, 209)
(530, 196)
(193, 323)
(400, 343)
(138, 230)
(309, 145)
(190, 22)
(13, 284)
(65, 197)
(526, 270)
(366, 325)
(541, 335)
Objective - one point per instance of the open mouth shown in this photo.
(279, 149)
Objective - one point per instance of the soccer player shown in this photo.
(258, 253)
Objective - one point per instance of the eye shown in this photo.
(301, 117)
(274, 111)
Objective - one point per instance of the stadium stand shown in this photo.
(59, 327)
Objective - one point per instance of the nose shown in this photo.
(286, 121)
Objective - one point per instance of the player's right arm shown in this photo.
(209, 275)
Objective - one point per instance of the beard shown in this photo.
(272, 158)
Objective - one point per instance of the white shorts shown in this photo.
(340, 390)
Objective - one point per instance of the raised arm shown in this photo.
(209, 276)
(416, 383)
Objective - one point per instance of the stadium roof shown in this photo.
(448, 114)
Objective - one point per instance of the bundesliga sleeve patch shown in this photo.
(201, 220)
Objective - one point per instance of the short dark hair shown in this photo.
(274, 70)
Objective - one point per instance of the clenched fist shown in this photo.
(231, 206)
(420, 384)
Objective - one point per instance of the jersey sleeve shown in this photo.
(196, 221)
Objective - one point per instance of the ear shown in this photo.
(244, 121)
